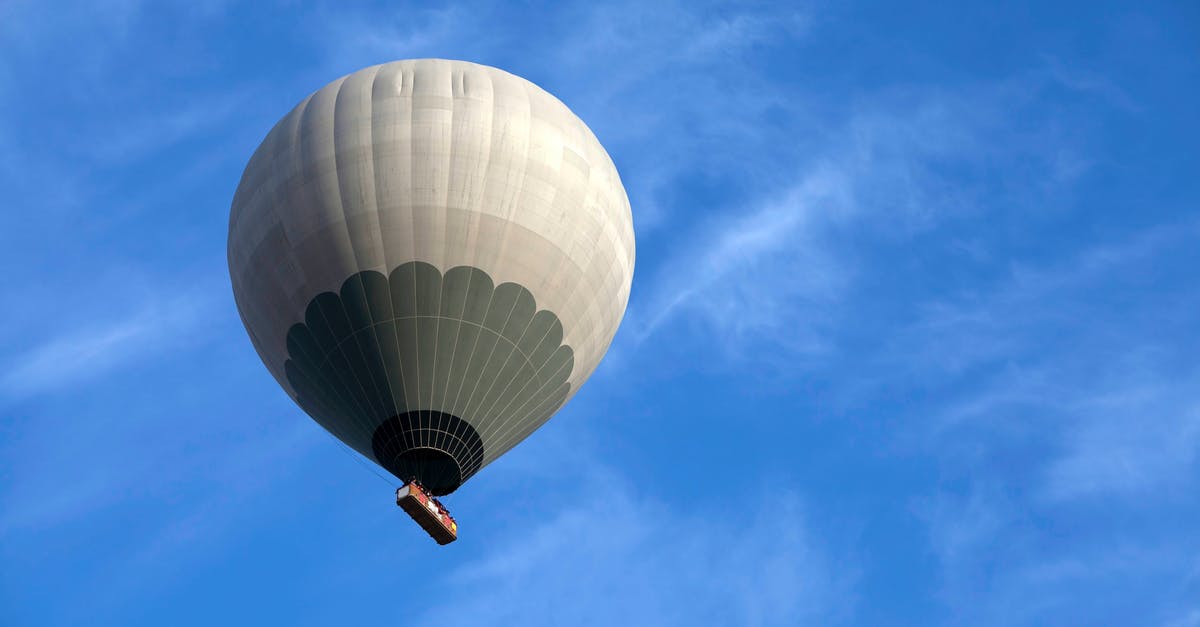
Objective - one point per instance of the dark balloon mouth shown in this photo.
(438, 449)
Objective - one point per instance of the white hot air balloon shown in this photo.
(431, 257)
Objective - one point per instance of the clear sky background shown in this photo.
(912, 341)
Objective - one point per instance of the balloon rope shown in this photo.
(358, 458)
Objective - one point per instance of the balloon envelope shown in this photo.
(431, 257)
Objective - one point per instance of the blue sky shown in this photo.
(912, 338)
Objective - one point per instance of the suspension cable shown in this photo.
(357, 458)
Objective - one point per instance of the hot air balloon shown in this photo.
(431, 257)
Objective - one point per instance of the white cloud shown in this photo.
(1000, 322)
(669, 89)
(1048, 357)
(120, 457)
(1189, 618)
(773, 269)
(1003, 561)
(1062, 388)
(142, 133)
(91, 352)
(1135, 441)
(961, 526)
(355, 39)
(616, 558)
(767, 273)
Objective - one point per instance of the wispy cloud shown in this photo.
(1189, 618)
(1070, 399)
(1088, 81)
(767, 273)
(987, 324)
(223, 493)
(74, 357)
(615, 557)
(1134, 441)
(356, 38)
(45, 488)
(674, 75)
(144, 133)
(998, 567)
(775, 266)
(1048, 356)
(960, 525)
